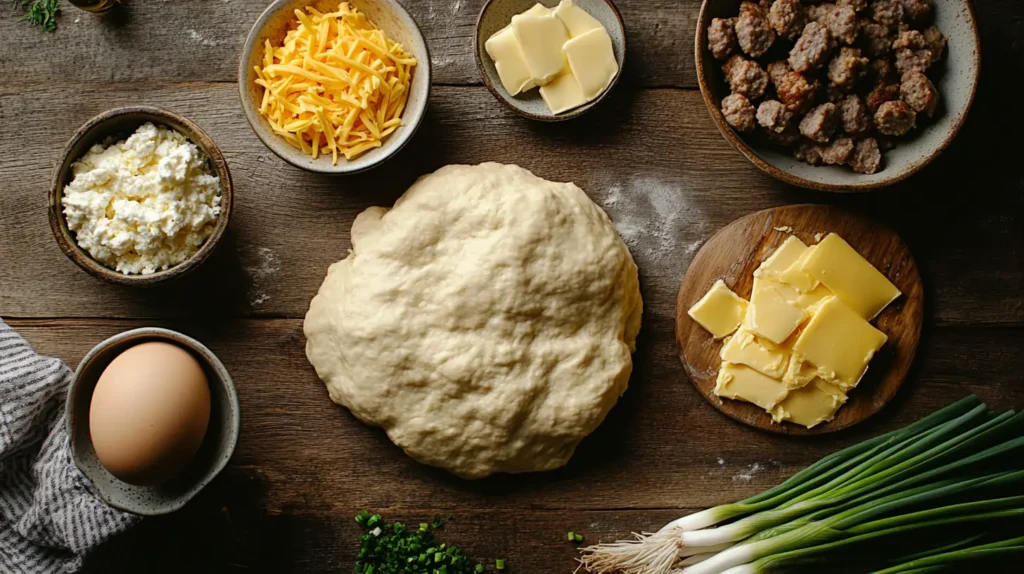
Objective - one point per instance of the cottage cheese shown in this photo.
(144, 204)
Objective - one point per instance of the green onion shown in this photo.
(387, 548)
(918, 495)
(499, 564)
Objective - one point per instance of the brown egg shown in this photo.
(149, 413)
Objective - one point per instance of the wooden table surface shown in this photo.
(650, 155)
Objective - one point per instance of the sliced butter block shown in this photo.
(810, 405)
(576, 19)
(799, 372)
(808, 300)
(508, 58)
(746, 348)
(720, 311)
(563, 93)
(541, 37)
(796, 276)
(770, 314)
(782, 258)
(840, 341)
(742, 383)
(592, 61)
(854, 281)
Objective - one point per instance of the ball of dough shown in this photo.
(486, 322)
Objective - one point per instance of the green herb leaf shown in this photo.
(42, 13)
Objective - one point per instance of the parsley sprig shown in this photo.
(388, 548)
(42, 13)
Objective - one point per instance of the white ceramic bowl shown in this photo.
(274, 23)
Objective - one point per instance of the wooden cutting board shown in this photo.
(733, 254)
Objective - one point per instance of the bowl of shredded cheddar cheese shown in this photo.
(335, 86)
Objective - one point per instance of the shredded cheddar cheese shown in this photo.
(337, 84)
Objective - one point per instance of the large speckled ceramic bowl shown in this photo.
(213, 455)
(390, 17)
(956, 79)
(496, 14)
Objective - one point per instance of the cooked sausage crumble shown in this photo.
(838, 82)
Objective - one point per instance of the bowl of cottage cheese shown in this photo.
(142, 196)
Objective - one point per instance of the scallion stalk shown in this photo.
(926, 486)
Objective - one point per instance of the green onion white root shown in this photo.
(934, 496)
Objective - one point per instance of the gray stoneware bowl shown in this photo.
(956, 80)
(213, 455)
(496, 14)
(119, 123)
(390, 17)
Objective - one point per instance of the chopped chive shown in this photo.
(479, 568)
(499, 563)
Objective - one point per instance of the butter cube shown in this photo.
(563, 93)
(811, 405)
(745, 384)
(839, 341)
(576, 19)
(539, 9)
(592, 61)
(745, 348)
(770, 313)
(796, 276)
(541, 37)
(782, 258)
(720, 311)
(508, 58)
(854, 281)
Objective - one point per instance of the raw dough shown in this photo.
(485, 322)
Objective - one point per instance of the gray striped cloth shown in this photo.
(49, 516)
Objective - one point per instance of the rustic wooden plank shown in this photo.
(198, 40)
(652, 158)
(224, 534)
(662, 446)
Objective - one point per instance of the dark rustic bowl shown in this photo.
(274, 23)
(118, 124)
(957, 80)
(214, 453)
(496, 14)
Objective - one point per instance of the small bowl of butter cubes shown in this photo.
(550, 63)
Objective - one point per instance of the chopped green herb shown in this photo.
(439, 521)
(499, 563)
(42, 13)
(387, 548)
(575, 537)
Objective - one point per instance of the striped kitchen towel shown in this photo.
(49, 515)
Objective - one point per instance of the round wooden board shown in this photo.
(733, 254)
